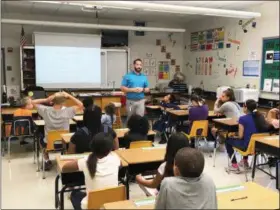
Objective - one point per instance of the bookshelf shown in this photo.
(27, 65)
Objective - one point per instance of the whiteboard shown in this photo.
(114, 65)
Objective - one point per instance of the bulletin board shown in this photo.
(211, 39)
(270, 61)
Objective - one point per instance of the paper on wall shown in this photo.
(153, 62)
(13, 91)
(252, 55)
(146, 62)
(269, 56)
(275, 85)
(267, 85)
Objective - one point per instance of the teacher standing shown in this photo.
(135, 85)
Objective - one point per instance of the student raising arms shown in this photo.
(252, 122)
(80, 141)
(175, 142)
(100, 169)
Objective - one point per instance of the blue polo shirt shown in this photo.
(133, 80)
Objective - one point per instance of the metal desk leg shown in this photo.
(62, 197)
(254, 166)
(127, 184)
(56, 198)
(277, 175)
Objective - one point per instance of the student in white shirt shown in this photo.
(175, 143)
(100, 168)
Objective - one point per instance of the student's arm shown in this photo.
(71, 148)
(271, 115)
(153, 183)
(217, 106)
(116, 143)
(240, 131)
(70, 166)
(162, 197)
(79, 105)
(42, 101)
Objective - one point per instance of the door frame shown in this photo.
(3, 66)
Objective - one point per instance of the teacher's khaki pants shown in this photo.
(135, 107)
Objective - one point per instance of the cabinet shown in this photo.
(27, 66)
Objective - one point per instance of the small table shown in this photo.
(268, 145)
(229, 124)
(140, 160)
(258, 197)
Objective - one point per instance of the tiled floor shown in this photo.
(24, 188)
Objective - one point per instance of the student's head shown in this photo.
(196, 100)
(101, 145)
(189, 162)
(137, 63)
(88, 102)
(138, 124)
(250, 106)
(58, 99)
(26, 103)
(110, 109)
(92, 119)
(170, 98)
(227, 95)
(176, 141)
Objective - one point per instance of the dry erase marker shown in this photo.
(236, 199)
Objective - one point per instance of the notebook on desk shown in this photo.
(145, 202)
(73, 156)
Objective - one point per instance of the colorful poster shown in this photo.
(208, 39)
(164, 70)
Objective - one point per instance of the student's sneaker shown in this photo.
(48, 165)
(234, 169)
(244, 164)
(163, 141)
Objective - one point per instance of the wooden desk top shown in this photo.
(270, 140)
(180, 113)
(66, 137)
(61, 163)
(42, 122)
(142, 155)
(11, 110)
(258, 197)
(78, 118)
(122, 131)
(153, 107)
(227, 121)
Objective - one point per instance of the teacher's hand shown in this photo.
(138, 90)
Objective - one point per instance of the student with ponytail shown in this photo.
(109, 118)
(100, 169)
(252, 122)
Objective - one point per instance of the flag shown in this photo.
(22, 37)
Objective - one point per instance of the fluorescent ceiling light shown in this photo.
(87, 25)
(166, 8)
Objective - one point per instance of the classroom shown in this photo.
(140, 105)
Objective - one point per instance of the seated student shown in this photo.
(189, 188)
(252, 122)
(175, 142)
(56, 117)
(273, 117)
(138, 129)
(198, 110)
(109, 118)
(88, 102)
(80, 141)
(24, 111)
(169, 101)
(100, 169)
(226, 105)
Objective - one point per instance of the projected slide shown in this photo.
(67, 61)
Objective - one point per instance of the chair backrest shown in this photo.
(97, 198)
(22, 125)
(140, 144)
(54, 136)
(199, 128)
(251, 147)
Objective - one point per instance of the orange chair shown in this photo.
(97, 198)
(140, 144)
(54, 137)
(250, 150)
(199, 131)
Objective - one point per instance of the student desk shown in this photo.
(70, 179)
(140, 160)
(78, 118)
(268, 145)
(258, 197)
(120, 134)
(228, 124)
